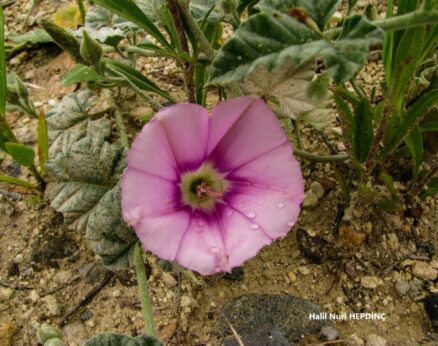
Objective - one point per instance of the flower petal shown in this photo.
(186, 127)
(146, 195)
(150, 152)
(278, 169)
(275, 211)
(162, 234)
(202, 248)
(253, 133)
(242, 236)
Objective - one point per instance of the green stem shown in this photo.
(297, 134)
(143, 290)
(405, 21)
(320, 158)
(195, 30)
(118, 117)
(81, 9)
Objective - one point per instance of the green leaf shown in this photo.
(129, 10)
(107, 339)
(83, 172)
(429, 5)
(363, 136)
(347, 122)
(388, 45)
(15, 181)
(287, 39)
(201, 8)
(431, 189)
(43, 142)
(64, 39)
(136, 78)
(3, 78)
(410, 120)
(81, 73)
(22, 154)
(32, 37)
(414, 141)
(430, 122)
(320, 10)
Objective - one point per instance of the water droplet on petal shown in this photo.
(251, 215)
(280, 205)
(214, 250)
(254, 227)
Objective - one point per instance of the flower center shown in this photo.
(203, 188)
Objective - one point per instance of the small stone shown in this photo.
(402, 287)
(75, 334)
(292, 277)
(116, 293)
(317, 189)
(169, 280)
(33, 297)
(29, 74)
(304, 270)
(327, 184)
(7, 332)
(350, 236)
(370, 282)
(142, 112)
(392, 241)
(93, 272)
(167, 332)
(424, 271)
(236, 274)
(19, 258)
(86, 315)
(375, 340)
(186, 302)
(310, 200)
(354, 340)
(51, 306)
(5, 293)
(329, 333)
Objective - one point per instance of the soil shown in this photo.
(367, 260)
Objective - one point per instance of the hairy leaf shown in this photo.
(15, 181)
(287, 86)
(80, 73)
(83, 170)
(320, 10)
(287, 39)
(201, 8)
(22, 154)
(31, 37)
(414, 142)
(107, 339)
(363, 136)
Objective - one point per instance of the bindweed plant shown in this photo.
(209, 191)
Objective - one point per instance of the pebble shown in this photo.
(402, 287)
(33, 297)
(5, 293)
(186, 302)
(354, 340)
(292, 277)
(169, 280)
(424, 271)
(392, 241)
(310, 200)
(375, 340)
(19, 258)
(7, 332)
(370, 282)
(304, 270)
(75, 334)
(329, 333)
(51, 305)
(116, 293)
(167, 332)
(85, 315)
(317, 189)
(26, 135)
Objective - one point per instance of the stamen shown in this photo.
(204, 189)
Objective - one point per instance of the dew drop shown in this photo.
(254, 227)
(280, 205)
(214, 250)
(251, 215)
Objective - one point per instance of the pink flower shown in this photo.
(210, 191)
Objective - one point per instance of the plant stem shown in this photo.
(297, 134)
(320, 158)
(187, 66)
(371, 159)
(195, 30)
(81, 10)
(118, 117)
(405, 21)
(143, 290)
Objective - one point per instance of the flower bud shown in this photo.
(91, 51)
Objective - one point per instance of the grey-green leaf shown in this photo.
(363, 136)
(22, 154)
(288, 39)
(83, 171)
(80, 73)
(107, 339)
(320, 10)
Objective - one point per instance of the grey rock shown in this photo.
(93, 272)
(310, 200)
(354, 340)
(254, 313)
(75, 333)
(375, 340)
(402, 287)
(317, 189)
(329, 333)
